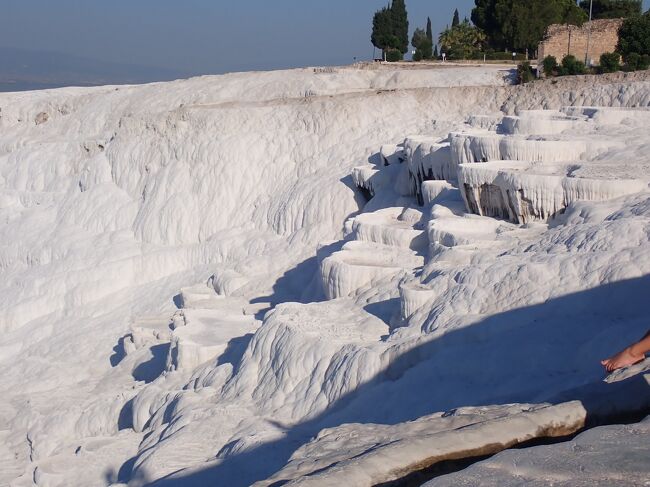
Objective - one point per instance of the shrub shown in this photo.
(636, 62)
(393, 56)
(497, 56)
(644, 62)
(610, 62)
(549, 65)
(632, 61)
(505, 56)
(525, 73)
(418, 55)
(571, 66)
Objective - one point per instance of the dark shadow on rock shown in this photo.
(326, 250)
(361, 195)
(234, 350)
(291, 285)
(386, 311)
(126, 471)
(375, 159)
(513, 346)
(178, 301)
(125, 419)
(621, 402)
(300, 284)
(151, 369)
(118, 352)
(259, 316)
(169, 410)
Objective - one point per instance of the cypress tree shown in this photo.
(429, 31)
(456, 20)
(382, 35)
(400, 25)
(436, 55)
(422, 44)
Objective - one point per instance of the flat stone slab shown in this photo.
(627, 372)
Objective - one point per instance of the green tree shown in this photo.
(390, 29)
(382, 30)
(634, 36)
(462, 41)
(420, 43)
(400, 25)
(571, 66)
(436, 54)
(521, 24)
(484, 16)
(419, 36)
(525, 73)
(393, 55)
(456, 20)
(549, 65)
(430, 39)
(423, 46)
(612, 9)
(610, 62)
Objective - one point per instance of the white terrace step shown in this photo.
(610, 115)
(396, 227)
(358, 264)
(535, 125)
(505, 190)
(469, 148)
(204, 334)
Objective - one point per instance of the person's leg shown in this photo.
(630, 356)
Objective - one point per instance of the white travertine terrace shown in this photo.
(391, 227)
(262, 277)
(428, 159)
(518, 196)
(486, 147)
(526, 172)
(359, 263)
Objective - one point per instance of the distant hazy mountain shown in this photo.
(22, 69)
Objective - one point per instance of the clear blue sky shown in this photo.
(208, 36)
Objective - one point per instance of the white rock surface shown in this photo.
(372, 454)
(204, 335)
(359, 264)
(393, 227)
(215, 194)
(467, 148)
(428, 159)
(604, 456)
(502, 191)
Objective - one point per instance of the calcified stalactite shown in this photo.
(493, 191)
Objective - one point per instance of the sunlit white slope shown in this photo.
(493, 301)
(234, 194)
(114, 198)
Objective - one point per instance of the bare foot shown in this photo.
(622, 359)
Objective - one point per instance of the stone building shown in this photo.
(561, 40)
